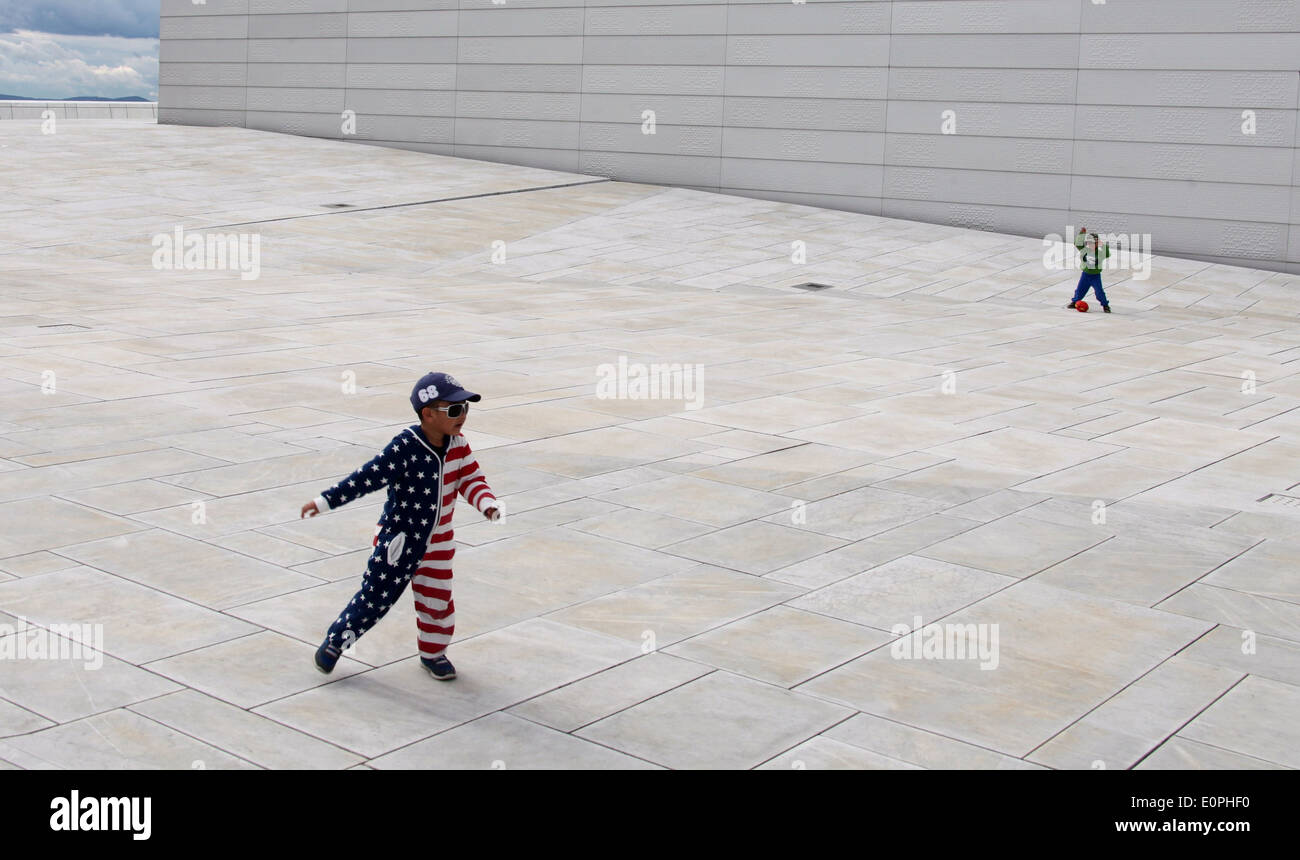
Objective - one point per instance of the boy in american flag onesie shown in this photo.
(424, 467)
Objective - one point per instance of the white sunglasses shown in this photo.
(455, 410)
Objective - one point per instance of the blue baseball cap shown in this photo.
(439, 386)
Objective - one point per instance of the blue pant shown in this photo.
(1085, 281)
(381, 586)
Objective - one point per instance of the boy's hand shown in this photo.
(309, 510)
(492, 514)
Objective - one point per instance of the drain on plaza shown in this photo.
(1279, 499)
(337, 205)
(811, 287)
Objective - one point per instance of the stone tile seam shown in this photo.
(1191, 719)
(412, 203)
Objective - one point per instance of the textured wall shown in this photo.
(1123, 115)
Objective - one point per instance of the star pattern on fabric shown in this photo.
(409, 491)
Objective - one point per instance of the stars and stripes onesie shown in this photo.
(413, 539)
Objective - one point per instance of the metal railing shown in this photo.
(36, 110)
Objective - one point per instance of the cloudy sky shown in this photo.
(63, 48)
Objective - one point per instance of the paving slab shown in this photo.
(242, 733)
(116, 740)
(504, 742)
(1057, 656)
(615, 689)
(751, 723)
(1254, 718)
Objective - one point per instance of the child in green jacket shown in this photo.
(1093, 252)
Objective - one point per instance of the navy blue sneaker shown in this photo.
(326, 656)
(439, 667)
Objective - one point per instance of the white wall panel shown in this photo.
(1177, 118)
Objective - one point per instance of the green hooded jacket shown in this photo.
(1091, 265)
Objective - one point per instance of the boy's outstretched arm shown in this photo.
(474, 487)
(370, 477)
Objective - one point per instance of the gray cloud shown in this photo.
(129, 18)
(44, 65)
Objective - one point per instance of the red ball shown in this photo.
(1081, 307)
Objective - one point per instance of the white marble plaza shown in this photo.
(1098, 511)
